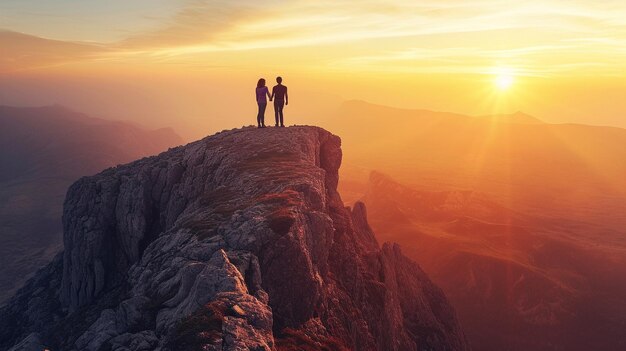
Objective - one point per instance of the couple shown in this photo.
(279, 94)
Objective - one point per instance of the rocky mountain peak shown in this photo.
(239, 241)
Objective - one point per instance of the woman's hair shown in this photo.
(260, 83)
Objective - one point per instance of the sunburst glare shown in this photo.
(503, 78)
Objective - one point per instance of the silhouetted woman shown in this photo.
(262, 93)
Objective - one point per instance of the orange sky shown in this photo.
(192, 64)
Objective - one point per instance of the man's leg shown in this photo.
(278, 108)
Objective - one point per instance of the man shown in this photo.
(279, 94)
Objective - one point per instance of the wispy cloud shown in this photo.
(22, 52)
(538, 37)
(539, 60)
(197, 21)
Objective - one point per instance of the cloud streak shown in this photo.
(539, 38)
(23, 52)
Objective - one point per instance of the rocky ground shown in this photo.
(239, 241)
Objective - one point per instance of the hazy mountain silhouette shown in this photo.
(519, 282)
(42, 151)
(521, 222)
(517, 117)
(563, 170)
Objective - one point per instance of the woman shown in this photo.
(262, 93)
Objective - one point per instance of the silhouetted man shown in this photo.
(279, 94)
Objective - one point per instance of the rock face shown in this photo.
(239, 241)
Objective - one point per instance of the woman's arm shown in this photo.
(268, 94)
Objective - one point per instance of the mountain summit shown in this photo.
(239, 241)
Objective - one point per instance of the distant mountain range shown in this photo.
(42, 151)
(557, 170)
(518, 282)
(520, 222)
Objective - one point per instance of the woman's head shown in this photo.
(260, 83)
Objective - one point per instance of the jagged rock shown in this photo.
(239, 241)
(143, 341)
(30, 343)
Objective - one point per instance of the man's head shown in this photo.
(279, 80)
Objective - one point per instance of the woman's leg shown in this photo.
(260, 117)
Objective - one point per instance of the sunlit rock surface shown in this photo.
(239, 241)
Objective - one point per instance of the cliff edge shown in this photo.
(239, 241)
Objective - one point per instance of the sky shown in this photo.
(179, 62)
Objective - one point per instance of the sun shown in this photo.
(503, 79)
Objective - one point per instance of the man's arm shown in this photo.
(272, 95)
(286, 97)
